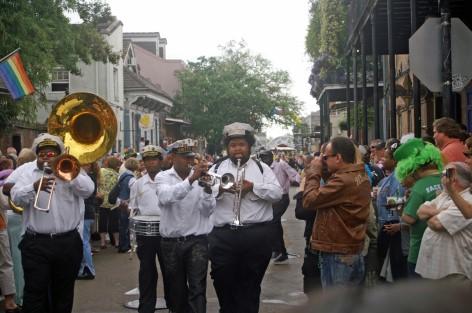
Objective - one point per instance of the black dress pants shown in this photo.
(148, 248)
(279, 208)
(50, 268)
(186, 266)
(239, 258)
(398, 262)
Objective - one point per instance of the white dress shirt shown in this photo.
(67, 203)
(448, 251)
(256, 206)
(144, 197)
(185, 208)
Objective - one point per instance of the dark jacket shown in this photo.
(124, 185)
(342, 209)
(90, 202)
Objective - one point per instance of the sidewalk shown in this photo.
(118, 273)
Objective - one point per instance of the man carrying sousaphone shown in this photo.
(145, 217)
(185, 223)
(241, 242)
(51, 248)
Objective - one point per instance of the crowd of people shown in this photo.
(378, 214)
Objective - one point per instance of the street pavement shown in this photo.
(118, 274)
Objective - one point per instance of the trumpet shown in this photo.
(240, 175)
(209, 179)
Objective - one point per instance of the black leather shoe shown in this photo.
(85, 277)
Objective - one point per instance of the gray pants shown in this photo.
(7, 280)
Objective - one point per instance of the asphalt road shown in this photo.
(118, 274)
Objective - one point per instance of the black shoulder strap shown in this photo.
(217, 164)
(260, 166)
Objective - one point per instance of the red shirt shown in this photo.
(453, 151)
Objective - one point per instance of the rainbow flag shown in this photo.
(13, 74)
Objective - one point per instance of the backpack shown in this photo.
(115, 191)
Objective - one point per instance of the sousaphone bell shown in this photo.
(87, 125)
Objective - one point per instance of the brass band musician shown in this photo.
(146, 212)
(240, 243)
(185, 223)
(51, 248)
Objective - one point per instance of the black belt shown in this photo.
(243, 226)
(32, 234)
(184, 238)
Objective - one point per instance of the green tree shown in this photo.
(48, 40)
(236, 86)
(325, 40)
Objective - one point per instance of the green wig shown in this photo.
(415, 154)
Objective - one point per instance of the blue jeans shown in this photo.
(341, 269)
(87, 260)
(15, 223)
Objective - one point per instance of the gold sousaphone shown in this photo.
(87, 125)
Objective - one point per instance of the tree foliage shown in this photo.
(48, 40)
(234, 87)
(325, 41)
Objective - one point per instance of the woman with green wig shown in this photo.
(419, 168)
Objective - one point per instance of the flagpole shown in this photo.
(9, 55)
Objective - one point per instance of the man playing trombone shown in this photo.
(185, 223)
(241, 243)
(51, 248)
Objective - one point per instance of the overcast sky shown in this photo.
(275, 29)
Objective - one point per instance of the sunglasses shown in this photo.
(326, 157)
(48, 154)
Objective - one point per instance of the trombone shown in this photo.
(87, 125)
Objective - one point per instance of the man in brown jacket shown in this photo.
(342, 209)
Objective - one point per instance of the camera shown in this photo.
(449, 172)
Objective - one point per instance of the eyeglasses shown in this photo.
(326, 157)
(48, 154)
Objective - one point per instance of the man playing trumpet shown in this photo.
(185, 223)
(51, 248)
(241, 243)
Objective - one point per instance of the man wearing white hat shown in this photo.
(146, 214)
(185, 223)
(51, 248)
(240, 254)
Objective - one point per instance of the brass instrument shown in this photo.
(209, 179)
(15, 208)
(87, 125)
(240, 175)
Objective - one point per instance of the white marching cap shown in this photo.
(238, 129)
(47, 140)
(152, 151)
(186, 147)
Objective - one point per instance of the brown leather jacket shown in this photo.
(342, 209)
